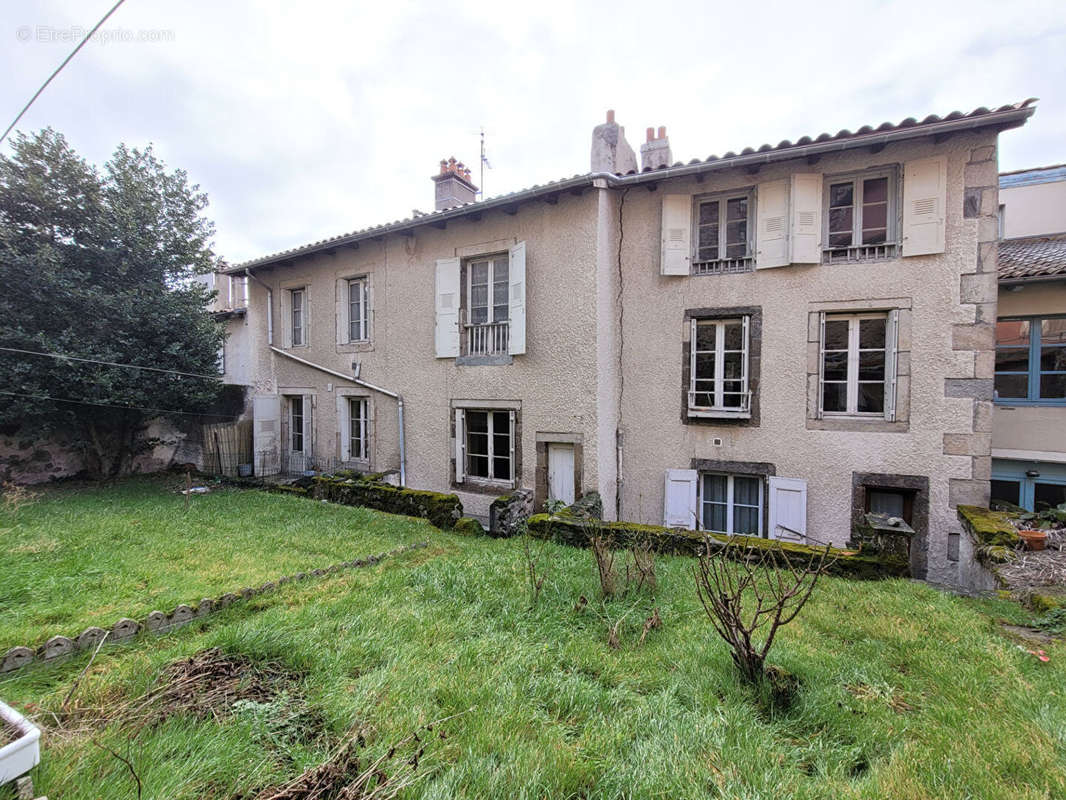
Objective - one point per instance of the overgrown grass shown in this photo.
(906, 692)
(89, 554)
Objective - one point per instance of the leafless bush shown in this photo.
(604, 555)
(641, 573)
(536, 570)
(745, 589)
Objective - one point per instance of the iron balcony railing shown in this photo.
(487, 339)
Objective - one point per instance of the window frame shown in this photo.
(723, 263)
(364, 421)
(364, 318)
(294, 429)
(719, 409)
(490, 260)
(730, 502)
(1033, 372)
(893, 227)
(490, 455)
(852, 381)
(298, 303)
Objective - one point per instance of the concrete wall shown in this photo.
(1034, 209)
(555, 380)
(950, 345)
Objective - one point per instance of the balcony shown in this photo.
(486, 339)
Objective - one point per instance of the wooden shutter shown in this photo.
(806, 211)
(788, 509)
(924, 206)
(679, 499)
(344, 426)
(286, 318)
(771, 241)
(676, 253)
(447, 300)
(516, 278)
(342, 311)
(745, 371)
(266, 433)
(891, 364)
(460, 446)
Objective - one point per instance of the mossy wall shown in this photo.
(994, 538)
(443, 510)
(568, 529)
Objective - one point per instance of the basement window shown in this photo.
(731, 504)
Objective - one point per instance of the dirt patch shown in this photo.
(1027, 635)
(8, 733)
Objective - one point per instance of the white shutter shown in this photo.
(344, 426)
(460, 446)
(788, 509)
(342, 311)
(516, 278)
(821, 364)
(447, 299)
(806, 232)
(514, 444)
(745, 351)
(771, 242)
(676, 253)
(309, 430)
(286, 318)
(924, 206)
(266, 428)
(679, 499)
(891, 364)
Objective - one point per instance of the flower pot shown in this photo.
(1034, 540)
(24, 753)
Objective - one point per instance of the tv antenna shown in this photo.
(484, 163)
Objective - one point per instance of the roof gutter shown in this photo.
(1008, 119)
(366, 384)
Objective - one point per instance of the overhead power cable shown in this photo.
(73, 53)
(63, 357)
(113, 405)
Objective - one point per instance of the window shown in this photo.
(357, 310)
(1007, 491)
(238, 291)
(1033, 485)
(487, 329)
(297, 317)
(296, 424)
(358, 429)
(723, 243)
(860, 217)
(489, 450)
(890, 502)
(731, 504)
(858, 364)
(1031, 361)
(718, 367)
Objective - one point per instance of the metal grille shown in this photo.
(489, 339)
(723, 266)
(862, 252)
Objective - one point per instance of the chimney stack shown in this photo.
(655, 152)
(610, 150)
(453, 185)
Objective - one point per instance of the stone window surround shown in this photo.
(754, 361)
(758, 469)
(343, 423)
(543, 439)
(366, 273)
(903, 366)
(285, 393)
(475, 485)
(919, 486)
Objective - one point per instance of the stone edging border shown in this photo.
(157, 622)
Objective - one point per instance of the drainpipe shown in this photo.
(270, 306)
(365, 384)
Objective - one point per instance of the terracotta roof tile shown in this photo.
(1032, 257)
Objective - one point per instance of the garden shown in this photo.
(481, 667)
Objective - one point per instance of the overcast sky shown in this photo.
(307, 119)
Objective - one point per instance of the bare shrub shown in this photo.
(746, 589)
(604, 556)
(654, 621)
(640, 573)
(536, 570)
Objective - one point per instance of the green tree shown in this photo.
(101, 265)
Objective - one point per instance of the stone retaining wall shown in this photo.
(159, 622)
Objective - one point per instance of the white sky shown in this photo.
(307, 119)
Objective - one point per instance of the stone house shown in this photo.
(1029, 421)
(775, 342)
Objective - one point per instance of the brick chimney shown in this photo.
(655, 152)
(453, 185)
(610, 150)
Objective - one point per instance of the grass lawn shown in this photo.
(88, 555)
(906, 692)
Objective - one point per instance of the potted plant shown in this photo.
(20, 744)
(1034, 539)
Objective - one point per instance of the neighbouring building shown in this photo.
(775, 341)
(1029, 422)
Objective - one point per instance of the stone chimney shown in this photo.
(655, 152)
(453, 185)
(610, 150)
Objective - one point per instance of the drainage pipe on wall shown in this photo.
(367, 385)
